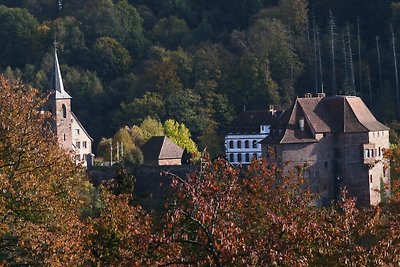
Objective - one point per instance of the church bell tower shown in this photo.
(60, 103)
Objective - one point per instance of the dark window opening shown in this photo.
(230, 144)
(247, 157)
(239, 157)
(239, 144)
(64, 111)
(246, 144)
(255, 143)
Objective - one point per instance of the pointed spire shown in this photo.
(56, 82)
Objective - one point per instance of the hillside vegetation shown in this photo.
(202, 62)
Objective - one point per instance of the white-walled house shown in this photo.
(81, 141)
(242, 143)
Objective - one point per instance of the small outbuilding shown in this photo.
(161, 151)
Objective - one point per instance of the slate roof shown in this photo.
(161, 147)
(337, 114)
(250, 121)
(56, 82)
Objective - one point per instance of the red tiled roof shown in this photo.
(338, 114)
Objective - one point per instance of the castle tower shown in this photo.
(60, 104)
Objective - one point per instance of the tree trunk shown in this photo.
(353, 82)
(320, 62)
(379, 65)
(359, 56)
(332, 32)
(395, 67)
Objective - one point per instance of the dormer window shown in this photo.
(301, 124)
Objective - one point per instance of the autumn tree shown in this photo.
(121, 232)
(42, 189)
(218, 219)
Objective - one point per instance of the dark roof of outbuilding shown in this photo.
(161, 147)
(337, 114)
(250, 121)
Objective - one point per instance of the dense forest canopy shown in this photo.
(202, 62)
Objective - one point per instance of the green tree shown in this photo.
(150, 105)
(125, 148)
(171, 32)
(104, 18)
(256, 78)
(186, 106)
(270, 40)
(151, 127)
(180, 135)
(17, 34)
(161, 76)
(111, 58)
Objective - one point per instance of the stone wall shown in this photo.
(319, 159)
(337, 161)
(379, 176)
(63, 125)
(170, 162)
(352, 170)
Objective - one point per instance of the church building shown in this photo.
(71, 135)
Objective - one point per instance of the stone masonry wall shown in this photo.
(63, 125)
(379, 176)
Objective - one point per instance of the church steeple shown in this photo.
(56, 82)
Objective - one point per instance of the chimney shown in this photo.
(307, 95)
(321, 95)
(301, 124)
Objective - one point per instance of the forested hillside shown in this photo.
(202, 62)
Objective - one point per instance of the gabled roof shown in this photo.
(56, 82)
(161, 147)
(80, 125)
(338, 114)
(250, 121)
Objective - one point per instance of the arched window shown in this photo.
(246, 144)
(247, 157)
(231, 158)
(239, 157)
(64, 111)
(239, 144)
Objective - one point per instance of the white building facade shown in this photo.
(81, 142)
(242, 143)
